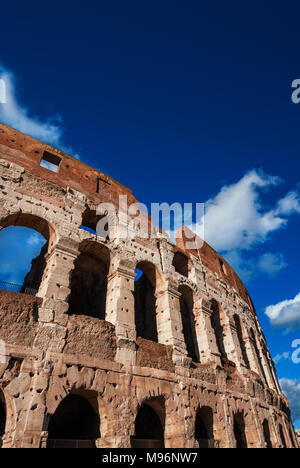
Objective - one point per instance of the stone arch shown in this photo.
(204, 427)
(88, 282)
(146, 291)
(239, 430)
(31, 221)
(181, 264)
(33, 280)
(150, 424)
(188, 321)
(267, 434)
(282, 437)
(217, 322)
(76, 421)
(241, 337)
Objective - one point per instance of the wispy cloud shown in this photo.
(282, 357)
(285, 314)
(236, 222)
(18, 116)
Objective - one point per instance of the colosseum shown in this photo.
(123, 343)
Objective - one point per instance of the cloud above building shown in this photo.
(20, 117)
(285, 314)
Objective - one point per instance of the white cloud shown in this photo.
(291, 388)
(285, 314)
(35, 240)
(12, 113)
(289, 204)
(235, 217)
(282, 357)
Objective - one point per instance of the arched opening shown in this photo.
(181, 264)
(204, 430)
(25, 240)
(188, 322)
(252, 336)
(282, 438)
(217, 323)
(88, 282)
(239, 329)
(90, 220)
(239, 431)
(145, 301)
(2, 417)
(267, 435)
(149, 428)
(75, 423)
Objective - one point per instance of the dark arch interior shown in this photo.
(149, 431)
(188, 322)
(267, 435)
(74, 420)
(145, 302)
(217, 326)
(283, 441)
(2, 416)
(204, 433)
(181, 264)
(89, 284)
(90, 220)
(241, 340)
(239, 432)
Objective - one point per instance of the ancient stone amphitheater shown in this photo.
(92, 357)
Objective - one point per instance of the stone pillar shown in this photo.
(169, 323)
(207, 343)
(55, 290)
(232, 342)
(120, 308)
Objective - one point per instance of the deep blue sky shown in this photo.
(175, 100)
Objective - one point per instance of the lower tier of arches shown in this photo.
(59, 400)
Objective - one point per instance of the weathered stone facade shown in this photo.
(182, 344)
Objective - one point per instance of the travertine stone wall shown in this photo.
(47, 354)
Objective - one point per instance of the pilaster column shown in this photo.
(55, 291)
(232, 343)
(169, 321)
(207, 342)
(120, 309)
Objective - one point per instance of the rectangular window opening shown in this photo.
(50, 161)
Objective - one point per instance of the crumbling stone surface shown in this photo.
(18, 318)
(89, 335)
(156, 355)
(183, 346)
